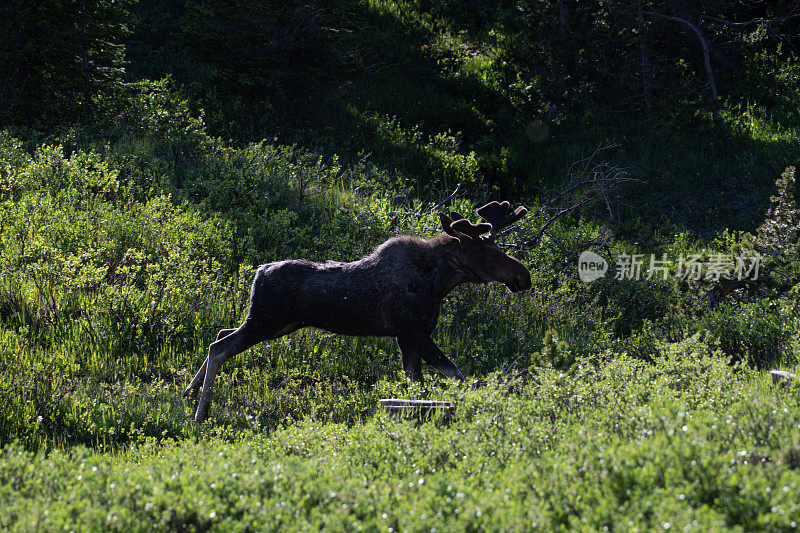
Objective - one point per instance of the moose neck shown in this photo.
(450, 274)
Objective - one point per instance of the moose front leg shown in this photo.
(421, 345)
(412, 362)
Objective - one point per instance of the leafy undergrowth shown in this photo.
(112, 290)
(688, 443)
(129, 232)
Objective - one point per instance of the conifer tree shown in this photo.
(61, 61)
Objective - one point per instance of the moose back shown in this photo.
(395, 291)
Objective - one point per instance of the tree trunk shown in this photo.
(645, 61)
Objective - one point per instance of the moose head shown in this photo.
(479, 257)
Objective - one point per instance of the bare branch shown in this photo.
(587, 183)
(706, 55)
(758, 21)
(440, 204)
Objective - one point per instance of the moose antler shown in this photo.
(461, 224)
(456, 224)
(498, 216)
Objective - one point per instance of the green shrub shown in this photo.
(686, 443)
(96, 285)
(756, 333)
(159, 112)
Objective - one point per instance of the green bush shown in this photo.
(756, 333)
(95, 283)
(686, 443)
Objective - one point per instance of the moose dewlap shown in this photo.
(395, 291)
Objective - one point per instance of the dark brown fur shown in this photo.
(395, 291)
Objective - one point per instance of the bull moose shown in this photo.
(395, 291)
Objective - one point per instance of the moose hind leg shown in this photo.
(219, 352)
(194, 386)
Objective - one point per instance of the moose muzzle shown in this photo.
(518, 279)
